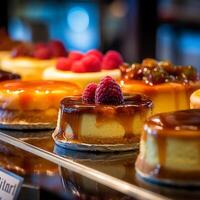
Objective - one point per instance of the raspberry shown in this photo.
(39, 45)
(78, 67)
(108, 92)
(96, 53)
(89, 93)
(112, 60)
(75, 55)
(22, 50)
(57, 48)
(42, 53)
(64, 64)
(91, 63)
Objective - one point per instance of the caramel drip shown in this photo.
(74, 121)
(127, 123)
(161, 144)
(176, 94)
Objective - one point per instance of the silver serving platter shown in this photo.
(93, 147)
(96, 147)
(92, 156)
(166, 182)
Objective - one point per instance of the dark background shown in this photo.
(164, 29)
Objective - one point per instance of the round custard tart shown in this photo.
(32, 104)
(30, 60)
(81, 123)
(85, 68)
(29, 68)
(169, 149)
(168, 86)
(82, 79)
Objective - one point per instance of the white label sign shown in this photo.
(10, 185)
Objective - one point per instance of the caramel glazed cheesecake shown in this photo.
(170, 149)
(110, 118)
(32, 104)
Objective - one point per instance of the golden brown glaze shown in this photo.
(184, 123)
(35, 95)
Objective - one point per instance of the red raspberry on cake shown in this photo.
(57, 48)
(89, 93)
(42, 53)
(64, 64)
(91, 63)
(96, 53)
(75, 55)
(112, 60)
(108, 92)
(78, 67)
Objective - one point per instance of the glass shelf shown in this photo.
(91, 173)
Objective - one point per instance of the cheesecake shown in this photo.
(32, 103)
(168, 86)
(169, 148)
(85, 68)
(106, 120)
(82, 79)
(30, 60)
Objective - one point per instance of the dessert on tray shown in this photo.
(85, 68)
(30, 60)
(32, 104)
(167, 85)
(102, 116)
(169, 148)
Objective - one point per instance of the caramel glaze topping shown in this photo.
(153, 72)
(183, 124)
(180, 123)
(4, 75)
(72, 109)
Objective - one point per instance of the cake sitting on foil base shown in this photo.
(110, 119)
(169, 148)
(32, 104)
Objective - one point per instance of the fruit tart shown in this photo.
(30, 60)
(85, 68)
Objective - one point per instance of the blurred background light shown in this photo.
(78, 19)
(82, 30)
(18, 30)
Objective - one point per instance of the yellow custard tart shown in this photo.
(30, 60)
(168, 86)
(33, 103)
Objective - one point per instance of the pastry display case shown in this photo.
(99, 100)
(50, 169)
